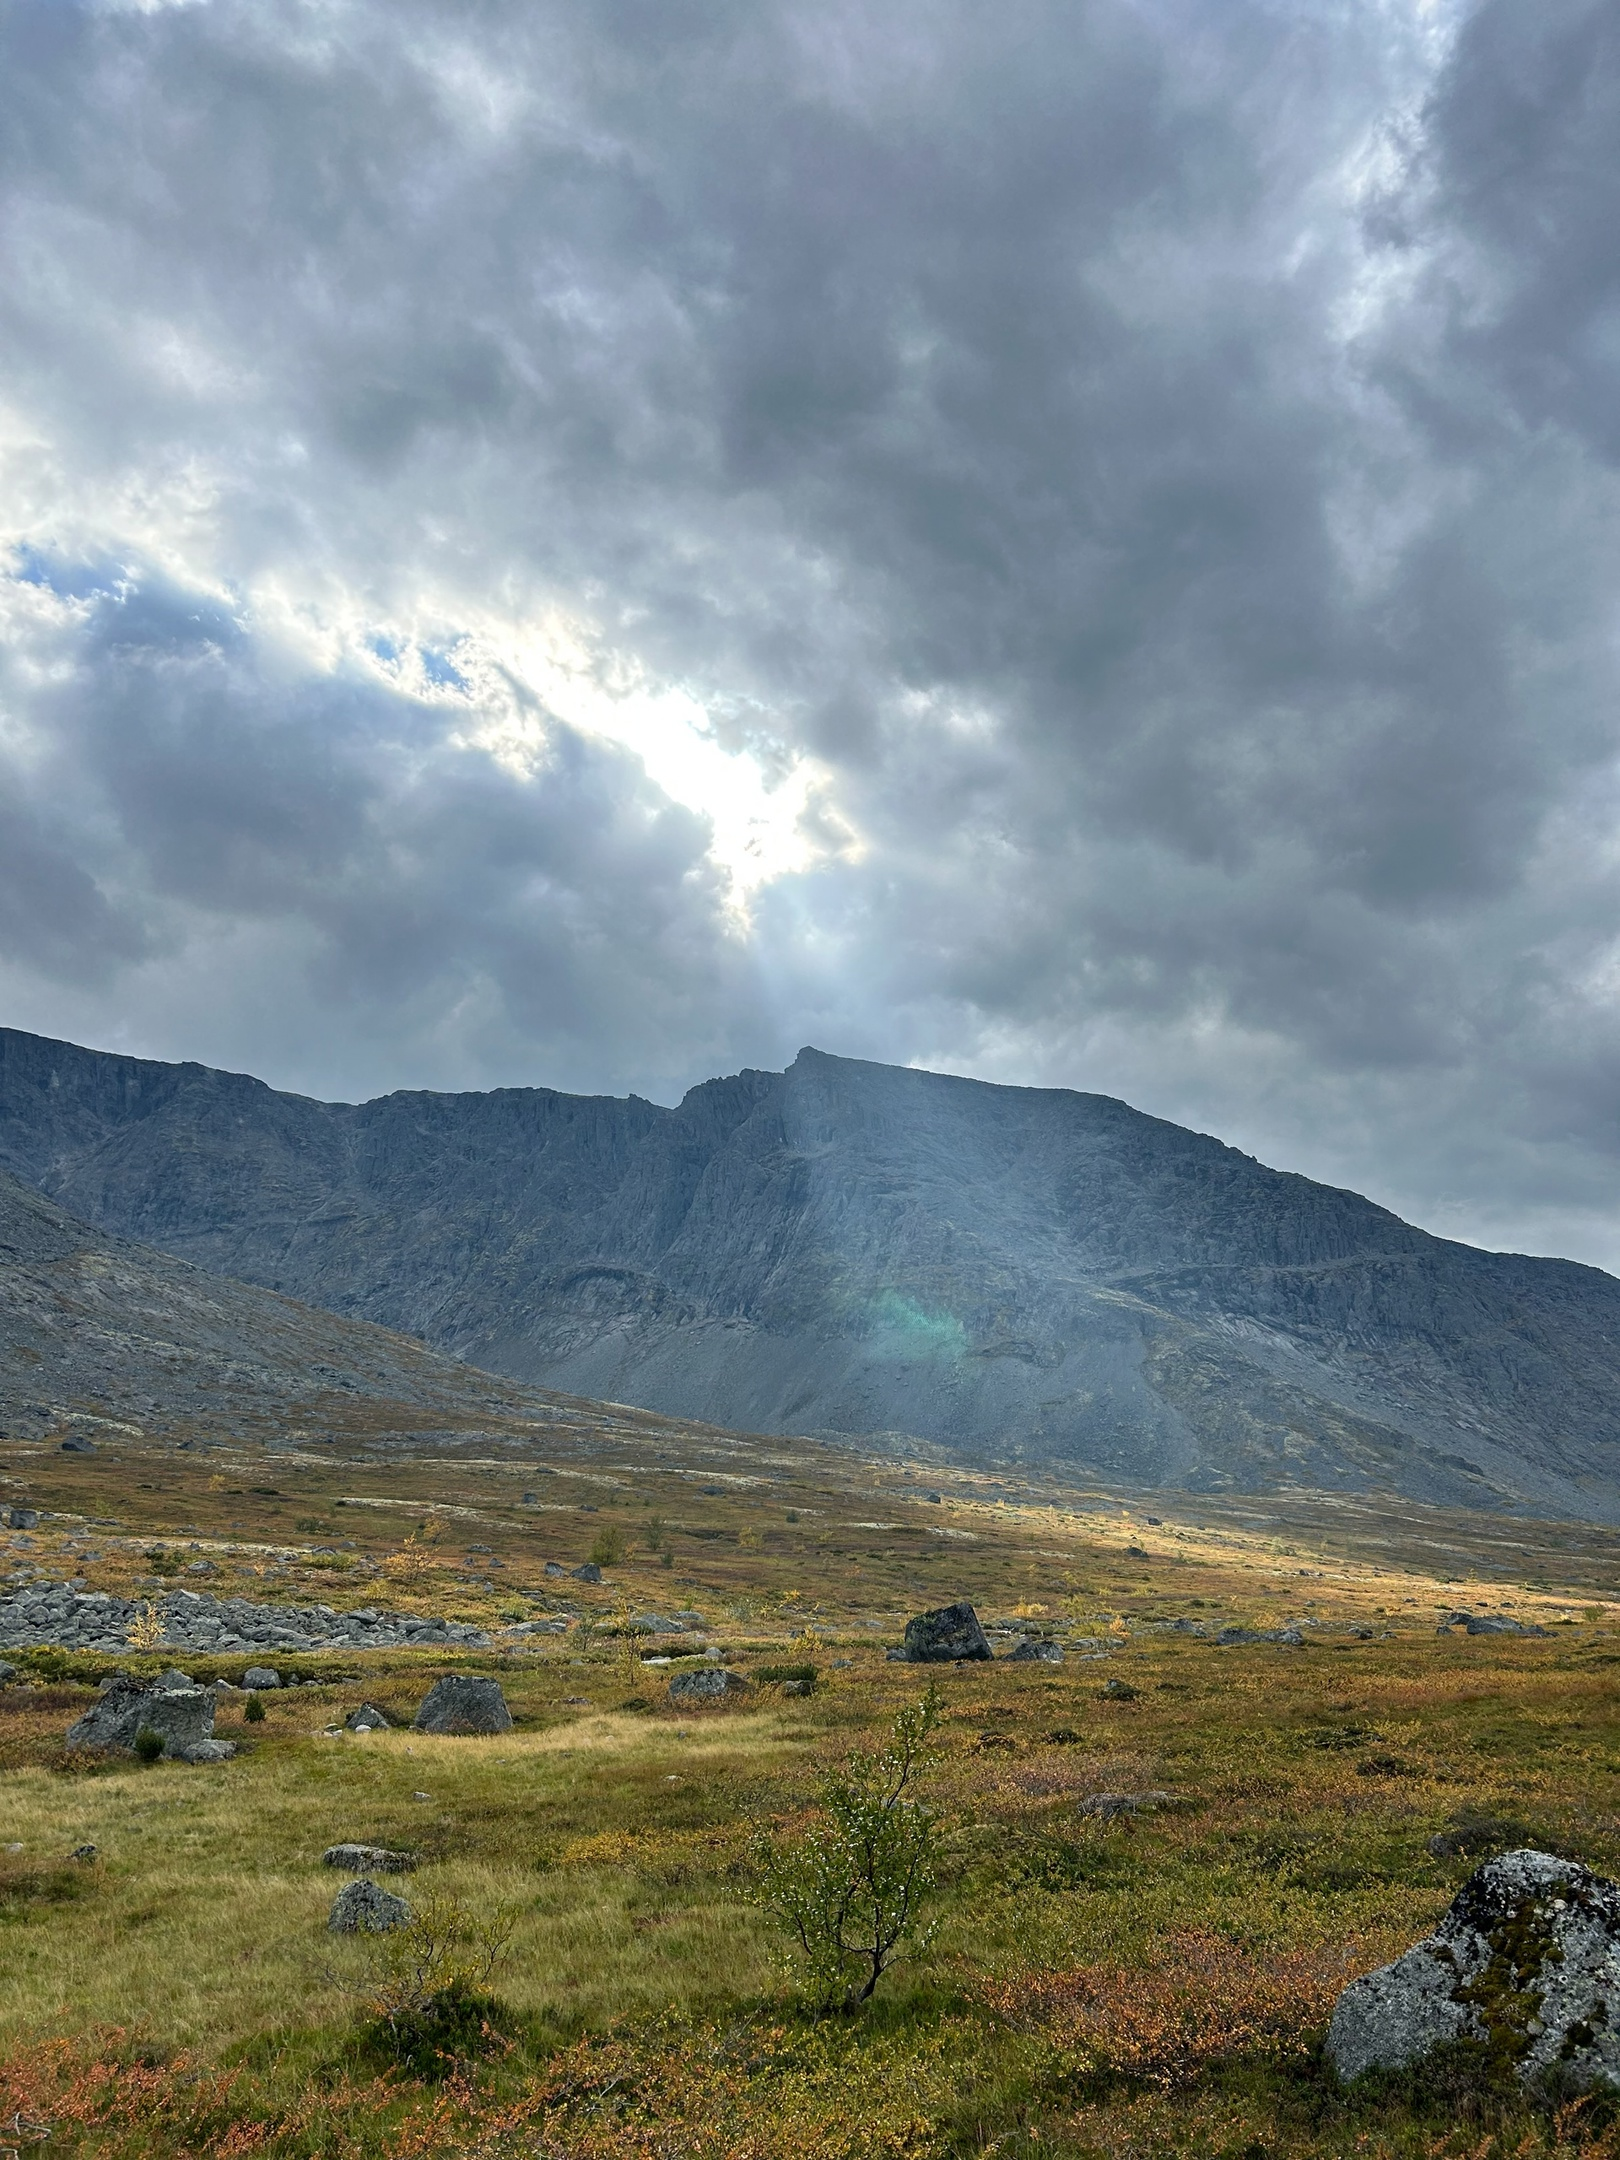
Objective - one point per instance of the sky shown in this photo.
(1076, 542)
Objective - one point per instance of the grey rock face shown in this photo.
(1527, 1957)
(859, 1248)
(713, 1683)
(361, 1908)
(184, 1716)
(943, 1636)
(368, 1718)
(1037, 1653)
(463, 1703)
(368, 1860)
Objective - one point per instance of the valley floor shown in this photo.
(1148, 1982)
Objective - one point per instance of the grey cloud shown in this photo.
(1157, 456)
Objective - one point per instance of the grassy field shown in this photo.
(1156, 1983)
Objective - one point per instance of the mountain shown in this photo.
(100, 1337)
(856, 1249)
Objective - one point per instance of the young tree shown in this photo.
(849, 1894)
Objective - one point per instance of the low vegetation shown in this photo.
(1095, 1908)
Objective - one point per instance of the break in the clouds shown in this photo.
(1078, 542)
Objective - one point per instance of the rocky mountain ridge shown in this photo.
(863, 1250)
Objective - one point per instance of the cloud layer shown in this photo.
(1075, 542)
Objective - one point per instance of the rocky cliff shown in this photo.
(858, 1249)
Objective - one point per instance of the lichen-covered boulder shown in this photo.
(259, 1677)
(710, 1683)
(361, 1908)
(464, 1703)
(1526, 1958)
(183, 1715)
(944, 1636)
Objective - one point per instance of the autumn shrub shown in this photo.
(1200, 1999)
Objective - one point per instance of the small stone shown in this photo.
(1117, 1691)
(368, 1718)
(259, 1677)
(368, 1859)
(1037, 1653)
(1109, 1805)
(360, 1908)
(462, 1703)
(82, 1852)
(1523, 1958)
(944, 1636)
(711, 1683)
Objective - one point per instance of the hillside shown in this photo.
(856, 1249)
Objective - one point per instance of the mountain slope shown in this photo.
(99, 1335)
(861, 1249)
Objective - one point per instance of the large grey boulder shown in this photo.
(463, 1703)
(1527, 1958)
(361, 1908)
(22, 1518)
(184, 1716)
(945, 1635)
(368, 1859)
(711, 1683)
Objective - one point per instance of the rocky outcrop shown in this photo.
(944, 1636)
(183, 1716)
(55, 1614)
(463, 1703)
(1526, 1960)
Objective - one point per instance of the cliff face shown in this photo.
(859, 1249)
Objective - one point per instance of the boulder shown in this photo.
(8, 1673)
(368, 1718)
(368, 1860)
(554, 1567)
(22, 1518)
(184, 1716)
(710, 1683)
(590, 1572)
(261, 1676)
(360, 1908)
(463, 1703)
(76, 1444)
(1524, 1959)
(944, 1636)
(173, 1679)
(1037, 1653)
(1473, 1623)
(1289, 1637)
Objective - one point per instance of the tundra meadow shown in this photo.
(1137, 1875)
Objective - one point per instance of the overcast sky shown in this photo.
(592, 545)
